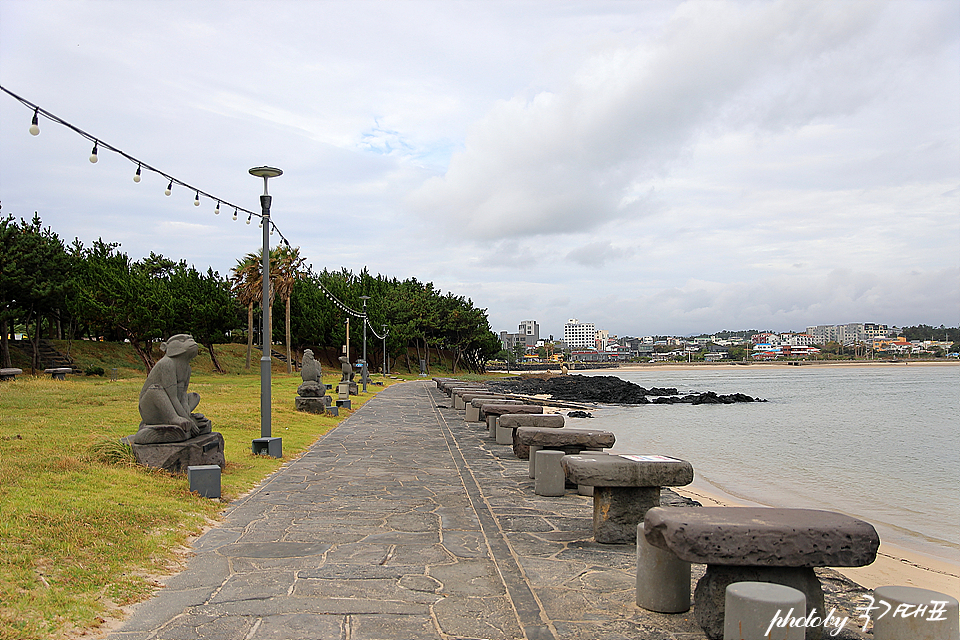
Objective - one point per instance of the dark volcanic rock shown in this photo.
(607, 390)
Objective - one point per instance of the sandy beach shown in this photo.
(894, 565)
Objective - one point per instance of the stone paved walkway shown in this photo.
(404, 523)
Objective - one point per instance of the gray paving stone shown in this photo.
(405, 522)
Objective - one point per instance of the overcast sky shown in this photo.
(651, 167)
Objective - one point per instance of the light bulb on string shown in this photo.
(136, 176)
(216, 211)
(249, 217)
(196, 201)
(271, 229)
(234, 213)
(169, 189)
(93, 154)
(261, 222)
(35, 124)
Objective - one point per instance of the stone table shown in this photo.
(758, 544)
(624, 488)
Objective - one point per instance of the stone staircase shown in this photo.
(50, 358)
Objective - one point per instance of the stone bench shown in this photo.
(758, 544)
(508, 424)
(475, 408)
(570, 441)
(10, 373)
(460, 392)
(59, 373)
(624, 488)
(492, 411)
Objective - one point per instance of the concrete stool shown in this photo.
(504, 434)
(59, 373)
(550, 480)
(942, 623)
(663, 579)
(205, 480)
(751, 608)
(10, 373)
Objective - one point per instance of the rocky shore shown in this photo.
(607, 390)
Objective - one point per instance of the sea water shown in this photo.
(881, 443)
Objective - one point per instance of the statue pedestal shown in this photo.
(312, 405)
(175, 457)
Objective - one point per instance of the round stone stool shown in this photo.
(663, 579)
(550, 480)
(939, 621)
(751, 607)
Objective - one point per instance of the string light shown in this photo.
(34, 130)
(249, 217)
(196, 201)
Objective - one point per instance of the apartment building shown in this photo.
(579, 335)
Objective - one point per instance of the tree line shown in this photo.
(52, 289)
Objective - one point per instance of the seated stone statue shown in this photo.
(346, 370)
(310, 368)
(166, 407)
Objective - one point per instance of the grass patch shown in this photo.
(82, 528)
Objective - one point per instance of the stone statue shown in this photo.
(310, 368)
(346, 370)
(166, 407)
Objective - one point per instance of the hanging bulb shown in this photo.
(271, 229)
(196, 201)
(216, 211)
(169, 189)
(261, 223)
(35, 125)
(234, 213)
(249, 217)
(136, 177)
(93, 154)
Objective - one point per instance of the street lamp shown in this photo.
(363, 372)
(265, 443)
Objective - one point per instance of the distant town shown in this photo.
(583, 342)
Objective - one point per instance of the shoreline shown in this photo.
(687, 366)
(895, 565)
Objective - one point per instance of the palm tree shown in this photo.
(289, 270)
(247, 285)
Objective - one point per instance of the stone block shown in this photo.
(10, 373)
(628, 471)
(312, 389)
(760, 536)
(175, 457)
(59, 373)
(750, 607)
(346, 404)
(205, 480)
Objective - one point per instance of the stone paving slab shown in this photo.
(406, 523)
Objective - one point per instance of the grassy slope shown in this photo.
(79, 535)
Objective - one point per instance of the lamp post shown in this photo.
(266, 443)
(363, 372)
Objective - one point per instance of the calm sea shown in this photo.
(879, 443)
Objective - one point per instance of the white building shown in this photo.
(579, 335)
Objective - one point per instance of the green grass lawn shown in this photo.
(80, 535)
